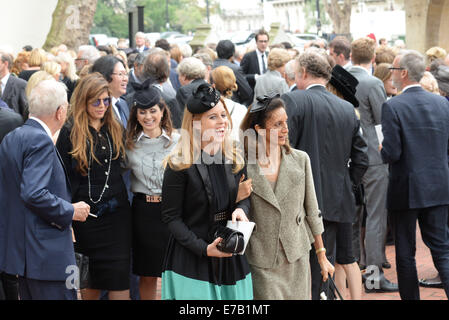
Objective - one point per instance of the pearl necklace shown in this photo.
(107, 173)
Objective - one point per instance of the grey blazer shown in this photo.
(288, 215)
(371, 95)
(270, 82)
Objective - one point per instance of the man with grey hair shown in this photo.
(415, 125)
(140, 42)
(87, 54)
(192, 73)
(289, 75)
(327, 128)
(136, 75)
(36, 217)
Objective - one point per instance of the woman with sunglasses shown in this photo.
(92, 148)
(149, 139)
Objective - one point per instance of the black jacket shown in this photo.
(244, 93)
(250, 67)
(9, 120)
(327, 128)
(15, 97)
(186, 206)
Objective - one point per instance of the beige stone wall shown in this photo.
(427, 24)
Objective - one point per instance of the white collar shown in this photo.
(142, 134)
(315, 85)
(411, 86)
(42, 123)
(5, 79)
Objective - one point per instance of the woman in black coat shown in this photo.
(199, 194)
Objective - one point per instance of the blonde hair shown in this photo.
(362, 50)
(277, 58)
(187, 151)
(224, 79)
(65, 57)
(52, 68)
(429, 83)
(383, 71)
(37, 57)
(35, 79)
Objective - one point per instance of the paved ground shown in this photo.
(425, 268)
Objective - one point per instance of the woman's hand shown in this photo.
(239, 215)
(245, 189)
(212, 250)
(326, 267)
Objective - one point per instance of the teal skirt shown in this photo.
(187, 276)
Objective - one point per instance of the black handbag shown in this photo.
(82, 262)
(233, 241)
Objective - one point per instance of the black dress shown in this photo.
(188, 272)
(106, 240)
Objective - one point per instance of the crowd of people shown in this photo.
(137, 159)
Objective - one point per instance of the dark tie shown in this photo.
(263, 63)
(122, 113)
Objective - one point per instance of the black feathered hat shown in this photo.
(146, 98)
(345, 83)
(204, 98)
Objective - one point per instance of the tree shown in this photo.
(71, 23)
(340, 15)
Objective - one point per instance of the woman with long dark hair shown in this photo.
(150, 138)
(92, 148)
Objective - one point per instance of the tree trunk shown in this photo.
(340, 15)
(71, 23)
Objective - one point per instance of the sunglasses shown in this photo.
(393, 68)
(106, 102)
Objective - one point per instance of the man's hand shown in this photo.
(82, 210)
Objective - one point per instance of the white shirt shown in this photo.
(4, 81)
(315, 85)
(410, 86)
(259, 58)
(117, 113)
(42, 123)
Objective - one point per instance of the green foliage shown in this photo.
(311, 15)
(111, 16)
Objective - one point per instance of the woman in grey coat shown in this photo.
(283, 206)
(273, 82)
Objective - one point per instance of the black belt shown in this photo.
(221, 216)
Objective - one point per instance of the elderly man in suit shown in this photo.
(12, 89)
(371, 95)
(327, 129)
(36, 216)
(255, 63)
(225, 52)
(415, 125)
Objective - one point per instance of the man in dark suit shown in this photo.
(12, 89)
(225, 53)
(370, 93)
(140, 42)
(255, 63)
(327, 128)
(192, 73)
(9, 120)
(36, 216)
(415, 125)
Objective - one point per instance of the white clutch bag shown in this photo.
(244, 227)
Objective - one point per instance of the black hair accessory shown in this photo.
(204, 98)
(146, 98)
(263, 102)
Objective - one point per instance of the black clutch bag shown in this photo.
(233, 241)
(82, 262)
